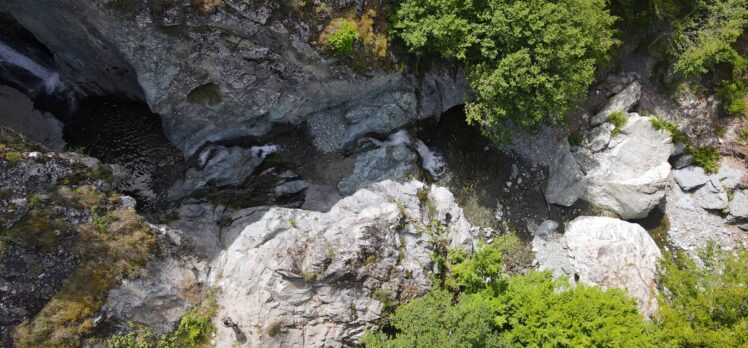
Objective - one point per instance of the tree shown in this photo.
(528, 61)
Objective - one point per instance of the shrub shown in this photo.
(533, 310)
(705, 306)
(707, 157)
(618, 119)
(341, 41)
(732, 94)
(13, 156)
(677, 135)
(527, 61)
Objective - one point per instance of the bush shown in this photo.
(705, 306)
(533, 310)
(341, 41)
(13, 157)
(618, 119)
(528, 61)
(707, 157)
(677, 135)
(732, 94)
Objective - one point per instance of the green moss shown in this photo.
(707, 157)
(743, 136)
(13, 157)
(618, 119)
(294, 223)
(310, 276)
(341, 41)
(208, 93)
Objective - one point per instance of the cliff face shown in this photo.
(223, 70)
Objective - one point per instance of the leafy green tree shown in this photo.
(705, 306)
(533, 310)
(528, 61)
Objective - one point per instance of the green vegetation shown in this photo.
(675, 133)
(733, 92)
(13, 157)
(705, 306)
(743, 136)
(527, 61)
(479, 306)
(105, 257)
(194, 329)
(618, 119)
(707, 157)
(342, 39)
(575, 139)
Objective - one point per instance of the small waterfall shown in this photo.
(431, 160)
(49, 80)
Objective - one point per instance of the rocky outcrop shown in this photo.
(623, 101)
(301, 278)
(386, 162)
(230, 71)
(739, 205)
(629, 175)
(18, 113)
(604, 251)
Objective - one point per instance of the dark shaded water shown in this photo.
(126, 133)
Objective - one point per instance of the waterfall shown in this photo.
(431, 160)
(49, 80)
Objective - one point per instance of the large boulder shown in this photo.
(607, 252)
(302, 278)
(18, 113)
(385, 162)
(623, 101)
(629, 177)
(739, 204)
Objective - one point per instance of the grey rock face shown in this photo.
(690, 178)
(231, 72)
(301, 278)
(711, 196)
(598, 138)
(622, 101)
(739, 204)
(630, 177)
(607, 252)
(17, 112)
(220, 166)
(386, 162)
(683, 161)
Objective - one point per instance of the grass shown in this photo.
(294, 223)
(677, 135)
(105, 257)
(707, 157)
(618, 119)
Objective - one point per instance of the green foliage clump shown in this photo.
(575, 139)
(618, 119)
(492, 309)
(707, 157)
(527, 61)
(743, 136)
(341, 41)
(705, 306)
(732, 93)
(675, 133)
(13, 157)
(704, 36)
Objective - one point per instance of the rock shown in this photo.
(17, 112)
(683, 161)
(547, 227)
(678, 149)
(219, 166)
(301, 278)
(233, 72)
(622, 101)
(382, 163)
(158, 298)
(607, 252)
(598, 138)
(630, 177)
(690, 178)
(739, 204)
(711, 196)
(565, 183)
(291, 187)
(730, 173)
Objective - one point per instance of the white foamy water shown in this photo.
(400, 137)
(264, 150)
(50, 79)
(431, 160)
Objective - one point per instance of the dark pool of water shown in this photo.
(126, 133)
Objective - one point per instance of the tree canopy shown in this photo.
(528, 61)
